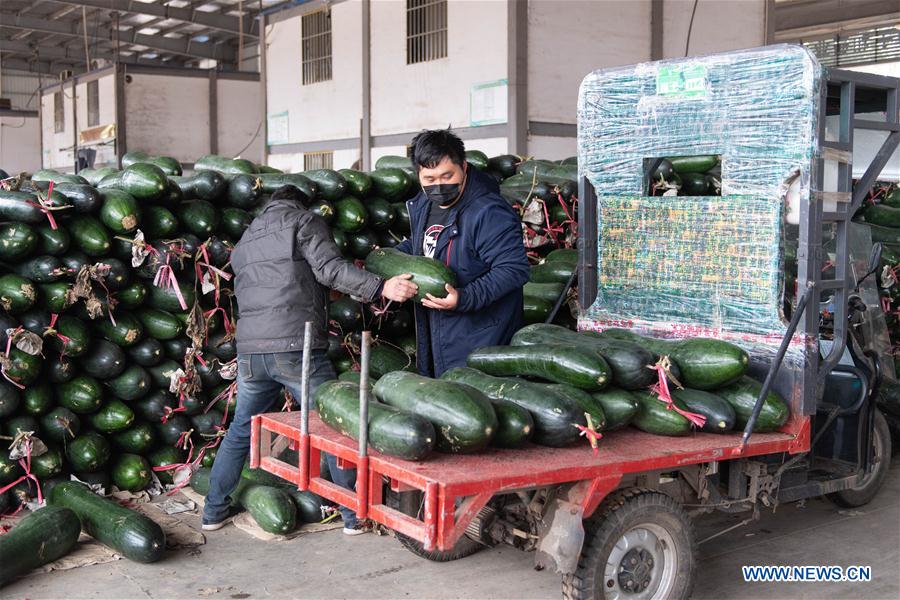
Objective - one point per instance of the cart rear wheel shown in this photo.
(871, 482)
(410, 503)
(640, 546)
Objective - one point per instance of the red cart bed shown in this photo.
(443, 478)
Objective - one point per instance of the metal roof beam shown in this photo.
(72, 56)
(21, 35)
(44, 67)
(217, 21)
(184, 47)
(806, 15)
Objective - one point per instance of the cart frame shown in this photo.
(456, 488)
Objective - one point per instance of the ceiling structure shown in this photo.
(807, 19)
(50, 36)
(841, 33)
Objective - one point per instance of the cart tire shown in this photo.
(871, 482)
(647, 527)
(410, 503)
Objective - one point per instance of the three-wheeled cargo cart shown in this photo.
(615, 524)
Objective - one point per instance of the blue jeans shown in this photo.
(260, 378)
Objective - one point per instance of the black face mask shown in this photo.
(442, 193)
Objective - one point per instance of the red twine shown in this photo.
(51, 330)
(165, 279)
(45, 207)
(109, 302)
(229, 327)
(168, 411)
(9, 341)
(228, 394)
(592, 435)
(216, 272)
(25, 463)
(662, 390)
(191, 462)
(379, 311)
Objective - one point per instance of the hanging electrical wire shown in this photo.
(687, 43)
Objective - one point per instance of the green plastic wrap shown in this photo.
(684, 266)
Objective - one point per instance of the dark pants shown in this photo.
(260, 378)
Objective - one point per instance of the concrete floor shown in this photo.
(329, 565)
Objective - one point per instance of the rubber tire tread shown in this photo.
(410, 503)
(853, 498)
(610, 522)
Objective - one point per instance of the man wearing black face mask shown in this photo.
(460, 219)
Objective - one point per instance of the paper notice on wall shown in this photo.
(487, 103)
(277, 128)
(95, 135)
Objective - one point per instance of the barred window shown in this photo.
(59, 113)
(318, 160)
(93, 103)
(426, 30)
(316, 41)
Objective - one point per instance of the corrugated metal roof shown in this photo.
(50, 36)
(880, 44)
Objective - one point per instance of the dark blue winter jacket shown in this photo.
(482, 244)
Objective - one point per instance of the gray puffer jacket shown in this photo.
(284, 266)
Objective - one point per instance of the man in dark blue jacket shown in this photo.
(460, 219)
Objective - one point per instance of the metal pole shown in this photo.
(779, 357)
(304, 378)
(263, 83)
(213, 111)
(362, 463)
(240, 54)
(656, 29)
(121, 117)
(365, 147)
(517, 76)
(74, 121)
(303, 485)
(364, 394)
(87, 55)
(562, 297)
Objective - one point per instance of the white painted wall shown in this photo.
(20, 144)
(891, 69)
(490, 146)
(239, 124)
(289, 163)
(106, 90)
(719, 26)
(293, 162)
(436, 93)
(57, 151)
(552, 148)
(81, 105)
(569, 39)
(329, 109)
(866, 144)
(566, 40)
(21, 88)
(379, 151)
(344, 159)
(168, 115)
